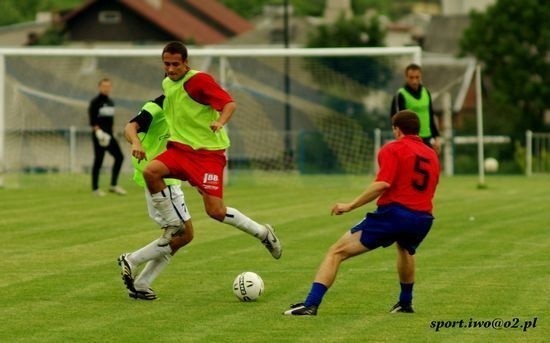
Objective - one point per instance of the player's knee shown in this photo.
(217, 213)
(340, 251)
(189, 232)
(149, 174)
(336, 251)
(219, 216)
(182, 240)
(152, 173)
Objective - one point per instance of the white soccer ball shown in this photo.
(248, 286)
(491, 165)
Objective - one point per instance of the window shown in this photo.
(109, 17)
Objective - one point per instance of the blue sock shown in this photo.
(316, 294)
(406, 294)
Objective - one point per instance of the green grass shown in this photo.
(486, 257)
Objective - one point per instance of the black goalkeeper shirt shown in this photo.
(102, 112)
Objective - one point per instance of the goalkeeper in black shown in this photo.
(101, 112)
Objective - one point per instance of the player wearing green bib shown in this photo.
(415, 97)
(196, 109)
(148, 134)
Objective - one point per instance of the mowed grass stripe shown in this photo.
(61, 282)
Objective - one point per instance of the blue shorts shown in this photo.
(394, 223)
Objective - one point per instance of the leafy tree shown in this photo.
(315, 8)
(10, 13)
(355, 32)
(51, 36)
(246, 8)
(512, 39)
(17, 11)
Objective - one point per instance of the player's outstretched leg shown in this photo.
(264, 233)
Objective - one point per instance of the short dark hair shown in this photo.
(407, 121)
(176, 47)
(412, 66)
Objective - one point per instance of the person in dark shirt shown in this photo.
(416, 97)
(101, 112)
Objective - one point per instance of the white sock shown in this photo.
(162, 202)
(242, 222)
(152, 269)
(149, 252)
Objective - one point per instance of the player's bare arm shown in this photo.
(372, 192)
(225, 115)
(131, 134)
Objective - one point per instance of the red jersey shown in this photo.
(412, 170)
(205, 90)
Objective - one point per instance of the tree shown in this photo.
(354, 32)
(512, 40)
(17, 11)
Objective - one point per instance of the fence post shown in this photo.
(529, 153)
(479, 117)
(72, 149)
(377, 145)
(448, 135)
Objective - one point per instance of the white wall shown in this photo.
(456, 7)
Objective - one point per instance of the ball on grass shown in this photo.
(248, 286)
(491, 165)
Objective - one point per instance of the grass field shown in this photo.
(485, 258)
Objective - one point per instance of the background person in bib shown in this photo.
(148, 134)
(416, 97)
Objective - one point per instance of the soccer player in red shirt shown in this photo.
(196, 110)
(404, 186)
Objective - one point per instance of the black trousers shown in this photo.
(99, 154)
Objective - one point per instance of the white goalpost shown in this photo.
(335, 99)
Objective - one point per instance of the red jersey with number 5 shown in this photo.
(412, 170)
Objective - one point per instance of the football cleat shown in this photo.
(148, 294)
(402, 307)
(126, 272)
(272, 243)
(301, 310)
(117, 190)
(98, 193)
(169, 233)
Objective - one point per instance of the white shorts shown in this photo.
(176, 195)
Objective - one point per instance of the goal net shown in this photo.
(299, 111)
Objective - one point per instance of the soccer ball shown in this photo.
(248, 286)
(491, 165)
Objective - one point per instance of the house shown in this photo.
(199, 22)
(25, 33)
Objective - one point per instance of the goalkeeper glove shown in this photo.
(103, 138)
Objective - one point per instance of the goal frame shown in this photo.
(414, 51)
